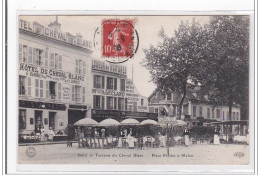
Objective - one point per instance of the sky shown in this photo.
(147, 27)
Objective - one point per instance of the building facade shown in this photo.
(52, 77)
(194, 107)
(108, 90)
(135, 101)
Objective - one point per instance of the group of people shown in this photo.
(46, 135)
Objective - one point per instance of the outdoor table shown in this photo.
(59, 138)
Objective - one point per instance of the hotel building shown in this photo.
(52, 77)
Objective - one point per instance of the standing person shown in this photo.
(42, 133)
(103, 132)
(51, 134)
(186, 136)
(216, 137)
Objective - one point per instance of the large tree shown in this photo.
(173, 63)
(225, 77)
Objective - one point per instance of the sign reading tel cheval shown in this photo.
(34, 71)
(54, 34)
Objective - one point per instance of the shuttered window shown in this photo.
(47, 89)
(25, 52)
(41, 88)
(59, 91)
(80, 66)
(60, 62)
(30, 55)
(34, 56)
(83, 94)
(51, 60)
(20, 52)
(37, 88)
(29, 86)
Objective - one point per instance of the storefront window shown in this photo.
(121, 104)
(109, 102)
(110, 83)
(21, 85)
(115, 103)
(98, 102)
(22, 119)
(99, 81)
(53, 89)
(218, 113)
(39, 57)
(122, 84)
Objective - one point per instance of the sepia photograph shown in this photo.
(133, 90)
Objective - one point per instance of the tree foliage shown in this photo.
(173, 64)
(225, 77)
(214, 57)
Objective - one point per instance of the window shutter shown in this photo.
(46, 58)
(29, 87)
(34, 56)
(52, 60)
(20, 52)
(59, 91)
(60, 62)
(30, 55)
(84, 67)
(47, 89)
(77, 66)
(36, 87)
(41, 88)
(73, 92)
(83, 94)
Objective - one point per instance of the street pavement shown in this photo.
(223, 154)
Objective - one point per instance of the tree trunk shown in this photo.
(182, 99)
(230, 107)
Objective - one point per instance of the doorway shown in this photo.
(38, 121)
(52, 120)
(75, 115)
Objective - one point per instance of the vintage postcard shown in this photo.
(133, 90)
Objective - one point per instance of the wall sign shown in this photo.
(65, 92)
(41, 105)
(108, 92)
(51, 74)
(54, 34)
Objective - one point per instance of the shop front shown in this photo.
(35, 116)
(76, 112)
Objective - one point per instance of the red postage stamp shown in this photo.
(118, 39)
